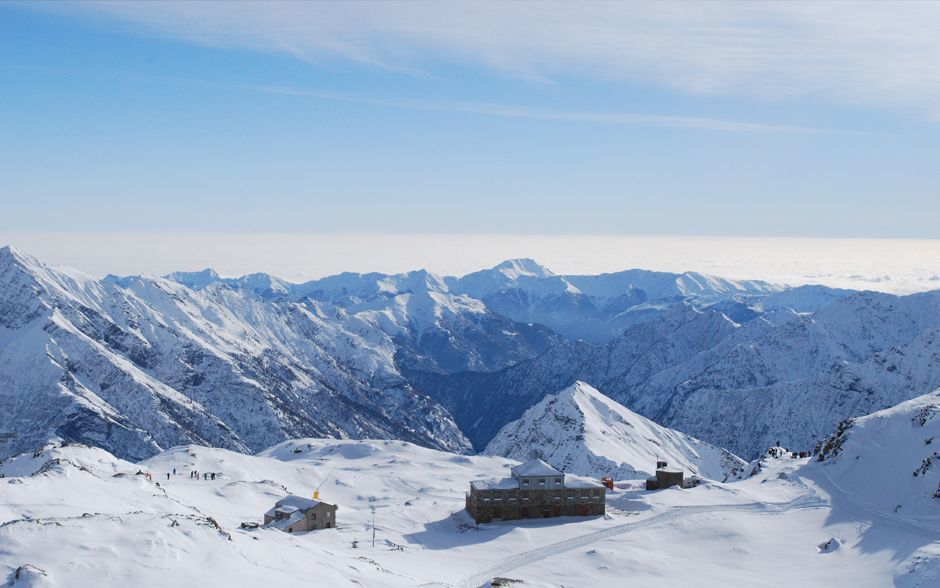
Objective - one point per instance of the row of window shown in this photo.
(541, 481)
(511, 494)
(525, 499)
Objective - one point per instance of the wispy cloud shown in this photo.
(479, 108)
(858, 52)
(506, 111)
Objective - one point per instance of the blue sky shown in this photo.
(457, 119)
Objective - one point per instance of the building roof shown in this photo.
(282, 524)
(495, 484)
(670, 470)
(298, 502)
(573, 481)
(535, 467)
(292, 502)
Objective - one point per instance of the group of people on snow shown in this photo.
(193, 475)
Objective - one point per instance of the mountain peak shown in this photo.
(514, 268)
(582, 431)
(195, 280)
(579, 391)
(11, 254)
(14, 261)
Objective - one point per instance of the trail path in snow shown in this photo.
(518, 560)
(895, 520)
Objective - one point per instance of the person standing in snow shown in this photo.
(168, 475)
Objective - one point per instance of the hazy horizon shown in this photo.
(888, 265)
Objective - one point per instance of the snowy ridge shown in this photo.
(142, 364)
(579, 430)
(594, 308)
(779, 375)
(137, 364)
(889, 461)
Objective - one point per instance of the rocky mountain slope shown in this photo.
(889, 460)
(433, 328)
(135, 365)
(782, 376)
(672, 337)
(579, 430)
(594, 308)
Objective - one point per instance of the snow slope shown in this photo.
(580, 430)
(888, 460)
(75, 516)
(433, 328)
(142, 364)
(594, 308)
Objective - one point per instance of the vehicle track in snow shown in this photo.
(503, 566)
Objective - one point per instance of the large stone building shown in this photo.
(293, 514)
(535, 490)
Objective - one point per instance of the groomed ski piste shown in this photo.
(77, 516)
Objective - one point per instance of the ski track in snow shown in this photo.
(534, 555)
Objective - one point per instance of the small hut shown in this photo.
(666, 477)
(295, 514)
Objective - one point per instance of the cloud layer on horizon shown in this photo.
(897, 266)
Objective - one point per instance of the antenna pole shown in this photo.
(373, 524)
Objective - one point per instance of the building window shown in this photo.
(525, 482)
(541, 481)
(558, 480)
(314, 516)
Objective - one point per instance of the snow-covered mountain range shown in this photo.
(136, 364)
(581, 431)
(140, 364)
(594, 308)
(780, 375)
